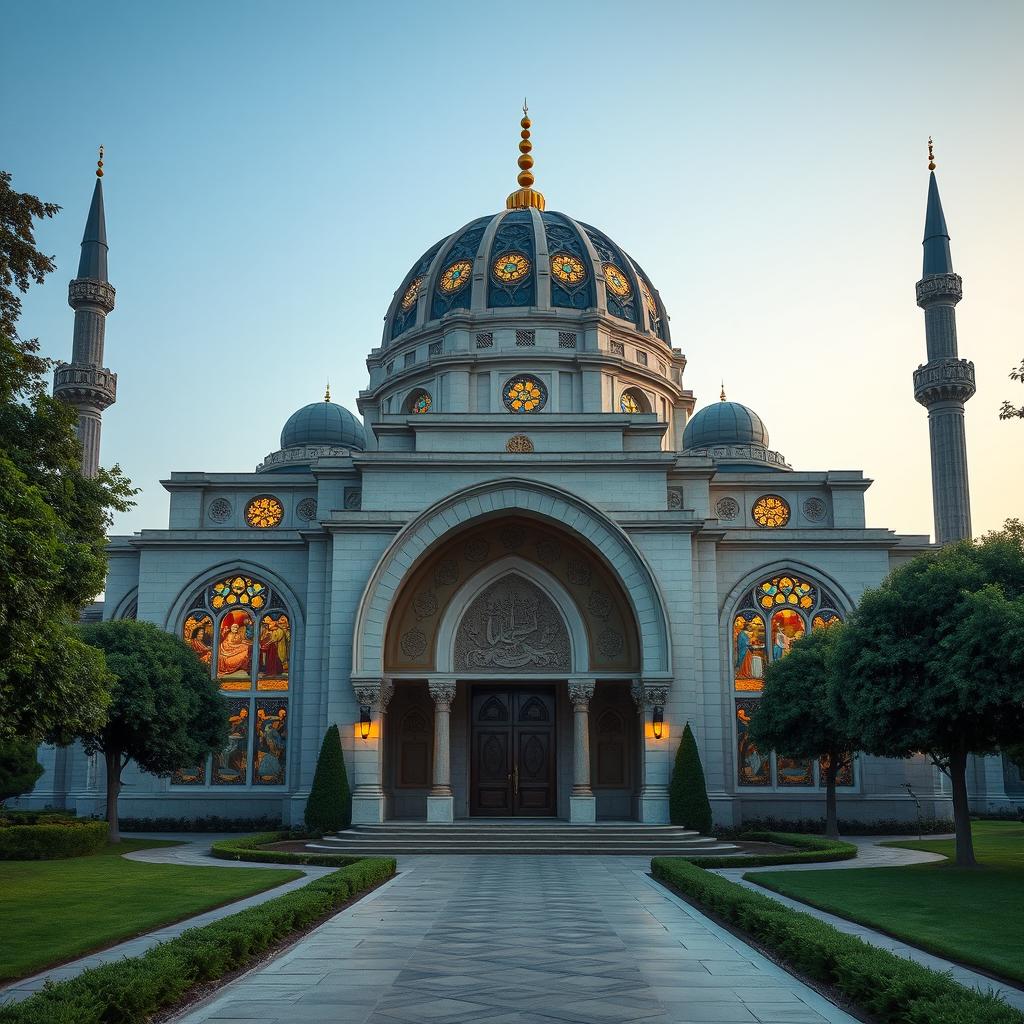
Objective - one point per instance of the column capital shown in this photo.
(648, 694)
(580, 692)
(374, 692)
(443, 693)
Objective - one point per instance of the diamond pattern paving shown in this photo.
(519, 940)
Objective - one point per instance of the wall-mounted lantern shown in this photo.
(364, 721)
(658, 721)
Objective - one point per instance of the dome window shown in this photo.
(525, 393)
(568, 269)
(633, 401)
(511, 267)
(409, 298)
(616, 280)
(456, 277)
(419, 402)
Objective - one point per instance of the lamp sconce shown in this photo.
(364, 721)
(658, 721)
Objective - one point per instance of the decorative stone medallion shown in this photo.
(424, 605)
(727, 509)
(477, 550)
(549, 551)
(815, 510)
(610, 643)
(306, 510)
(519, 444)
(353, 498)
(447, 573)
(220, 510)
(600, 604)
(580, 573)
(414, 643)
(675, 498)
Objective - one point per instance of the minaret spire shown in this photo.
(946, 382)
(85, 382)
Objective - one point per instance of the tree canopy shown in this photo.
(1009, 411)
(166, 711)
(796, 715)
(53, 520)
(933, 661)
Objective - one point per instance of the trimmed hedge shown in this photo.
(211, 823)
(249, 848)
(53, 840)
(885, 986)
(131, 990)
(809, 850)
(881, 827)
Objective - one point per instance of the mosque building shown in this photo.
(527, 563)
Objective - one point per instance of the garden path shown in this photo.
(519, 940)
(871, 855)
(195, 850)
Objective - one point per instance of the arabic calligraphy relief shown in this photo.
(512, 627)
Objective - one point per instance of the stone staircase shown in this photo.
(521, 836)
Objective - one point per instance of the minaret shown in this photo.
(85, 382)
(945, 382)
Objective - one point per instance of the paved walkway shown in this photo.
(870, 855)
(195, 850)
(519, 940)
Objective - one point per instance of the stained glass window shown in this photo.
(419, 402)
(771, 617)
(411, 293)
(524, 394)
(652, 306)
(264, 512)
(770, 511)
(456, 276)
(632, 401)
(616, 280)
(239, 629)
(567, 268)
(510, 267)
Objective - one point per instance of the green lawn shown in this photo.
(53, 911)
(970, 915)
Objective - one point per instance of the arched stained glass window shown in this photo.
(768, 620)
(241, 630)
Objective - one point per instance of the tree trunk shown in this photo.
(961, 810)
(113, 762)
(831, 817)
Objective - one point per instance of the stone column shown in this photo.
(441, 802)
(368, 758)
(582, 804)
(657, 760)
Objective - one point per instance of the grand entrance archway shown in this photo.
(512, 748)
(500, 624)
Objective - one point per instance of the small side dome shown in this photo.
(725, 423)
(323, 423)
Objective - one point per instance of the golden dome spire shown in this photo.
(721, 397)
(327, 392)
(525, 196)
(99, 164)
(931, 155)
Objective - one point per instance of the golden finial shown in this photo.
(931, 155)
(721, 396)
(99, 164)
(526, 195)
(327, 392)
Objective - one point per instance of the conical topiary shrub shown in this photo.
(688, 796)
(329, 806)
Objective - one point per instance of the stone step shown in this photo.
(504, 838)
(652, 848)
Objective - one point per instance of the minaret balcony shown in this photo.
(81, 384)
(944, 380)
(84, 291)
(947, 288)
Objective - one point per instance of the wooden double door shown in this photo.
(512, 751)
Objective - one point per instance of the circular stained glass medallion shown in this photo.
(652, 306)
(770, 511)
(616, 280)
(524, 394)
(456, 276)
(510, 267)
(264, 512)
(420, 402)
(567, 268)
(627, 403)
(409, 298)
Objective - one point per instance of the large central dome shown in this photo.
(526, 258)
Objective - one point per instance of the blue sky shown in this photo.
(273, 170)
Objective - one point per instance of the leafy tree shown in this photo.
(1009, 411)
(933, 661)
(329, 807)
(166, 711)
(688, 795)
(19, 768)
(53, 521)
(796, 715)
